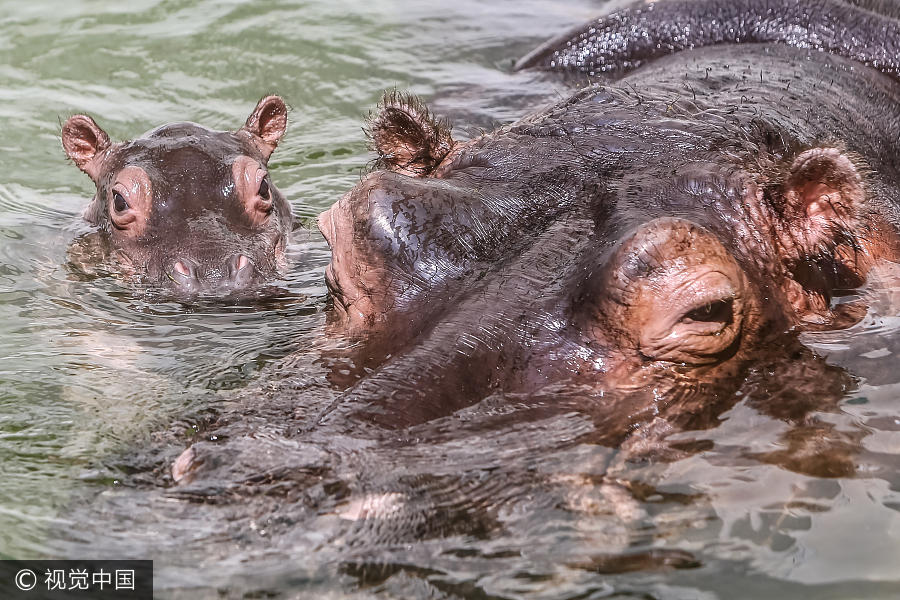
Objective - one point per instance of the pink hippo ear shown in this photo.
(822, 222)
(823, 198)
(83, 141)
(407, 138)
(268, 122)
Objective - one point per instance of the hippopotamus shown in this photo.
(187, 209)
(519, 316)
(645, 244)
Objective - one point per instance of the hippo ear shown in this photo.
(407, 138)
(82, 139)
(823, 197)
(822, 204)
(268, 122)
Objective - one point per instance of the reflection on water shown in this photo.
(101, 386)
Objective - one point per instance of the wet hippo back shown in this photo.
(864, 30)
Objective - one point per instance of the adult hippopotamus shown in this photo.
(187, 208)
(645, 245)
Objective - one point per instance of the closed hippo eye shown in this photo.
(718, 311)
(690, 314)
(674, 293)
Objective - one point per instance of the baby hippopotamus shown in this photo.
(187, 208)
(645, 245)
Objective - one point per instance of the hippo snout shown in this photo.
(236, 273)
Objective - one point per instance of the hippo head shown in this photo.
(187, 208)
(604, 245)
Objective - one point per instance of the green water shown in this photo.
(88, 368)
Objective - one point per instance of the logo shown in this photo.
(26, 579)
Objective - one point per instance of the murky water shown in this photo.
(89, 369)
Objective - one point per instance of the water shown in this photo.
(90, 370)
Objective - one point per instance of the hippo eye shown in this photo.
(264, 188)
(720, 311)
(119, 202)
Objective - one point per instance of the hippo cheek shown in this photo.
(337, 279)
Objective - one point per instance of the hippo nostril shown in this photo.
(241, 272)
(182, 269)
(184, 273)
